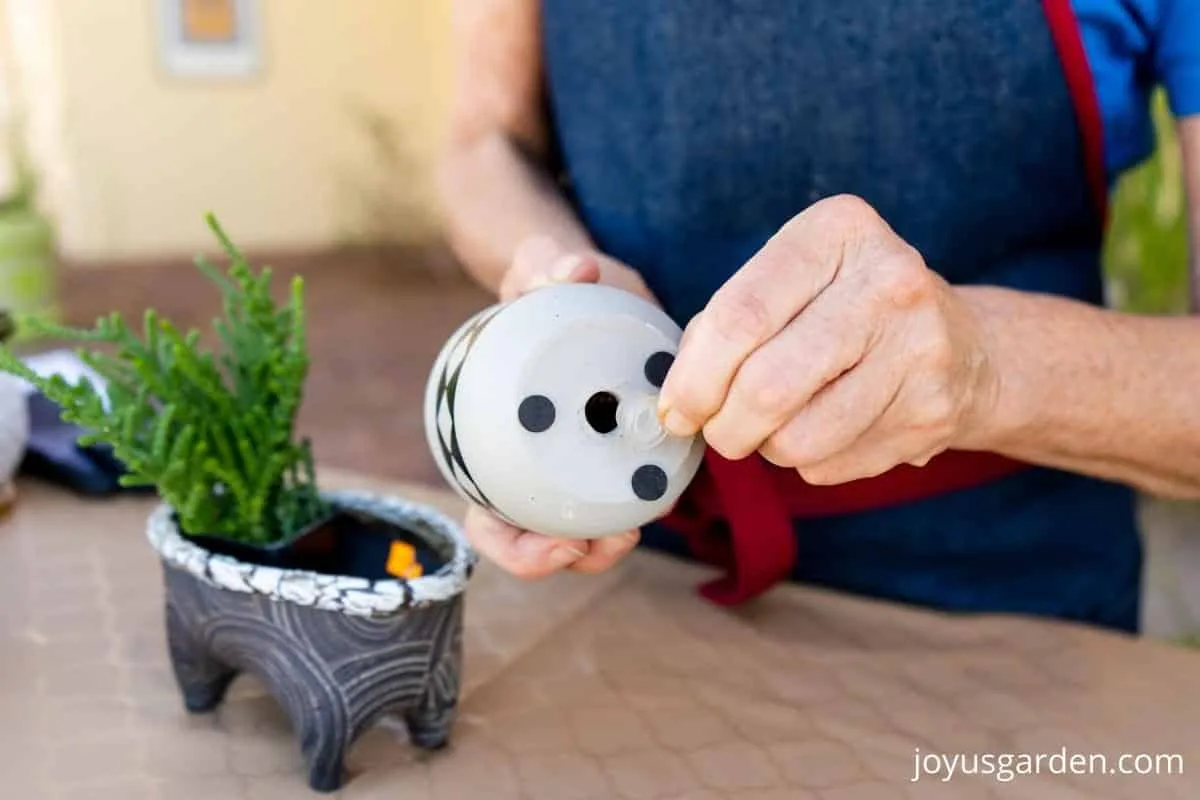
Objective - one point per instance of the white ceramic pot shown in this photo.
(14, 427)
(542, 411)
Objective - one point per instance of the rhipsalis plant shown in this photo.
(213, 432)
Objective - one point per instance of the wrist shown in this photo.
(996, 411)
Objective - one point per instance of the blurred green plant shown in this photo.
(1146, 251)
(27, 236)
(28, 246)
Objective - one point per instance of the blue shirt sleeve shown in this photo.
(1133, 46)
(1176, 53)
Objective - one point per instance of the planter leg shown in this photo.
(202, 679)
(324, 749)
(431, 721)
(429, 729)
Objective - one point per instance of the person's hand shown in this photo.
(542, 261)
(834, 350)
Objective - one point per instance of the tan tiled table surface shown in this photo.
(624, 685)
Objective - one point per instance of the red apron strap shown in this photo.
(756, 546)
(949, 471)
(738, 515)
(1068, 40)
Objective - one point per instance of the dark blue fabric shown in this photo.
(690, 130)
(1045, 543)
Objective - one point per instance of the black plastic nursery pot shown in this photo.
(335, 637)
(345, 542)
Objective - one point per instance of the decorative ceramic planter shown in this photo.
(14, 434)
(543, 411)
(338, 652)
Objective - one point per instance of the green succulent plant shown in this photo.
(213, 432)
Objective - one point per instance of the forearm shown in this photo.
(1189, 141)
(493, 198)
(1090, 390)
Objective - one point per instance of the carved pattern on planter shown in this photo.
(337, 653)
(334, 675)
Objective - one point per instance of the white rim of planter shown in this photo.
(343, 594)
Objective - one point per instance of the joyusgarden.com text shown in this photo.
(1006, 767)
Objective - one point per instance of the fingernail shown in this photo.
(563, 269)
(677, 424)
(663, 406)
(562, 556)
(538, 282)
(632, 536)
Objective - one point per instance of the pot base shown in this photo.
(334, 675)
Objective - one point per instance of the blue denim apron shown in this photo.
(688, 132)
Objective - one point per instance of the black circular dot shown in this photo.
(657, 366)
(649, 482)
(601, 412)
(536, 413)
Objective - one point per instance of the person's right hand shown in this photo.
(541, 261)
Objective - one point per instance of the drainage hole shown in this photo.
(601, 412)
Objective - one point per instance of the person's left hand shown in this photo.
(834, 350)
(542, 261)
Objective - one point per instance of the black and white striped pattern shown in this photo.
(450, 452)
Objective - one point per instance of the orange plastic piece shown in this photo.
(402, 561)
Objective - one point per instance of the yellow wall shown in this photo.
(281, 158)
